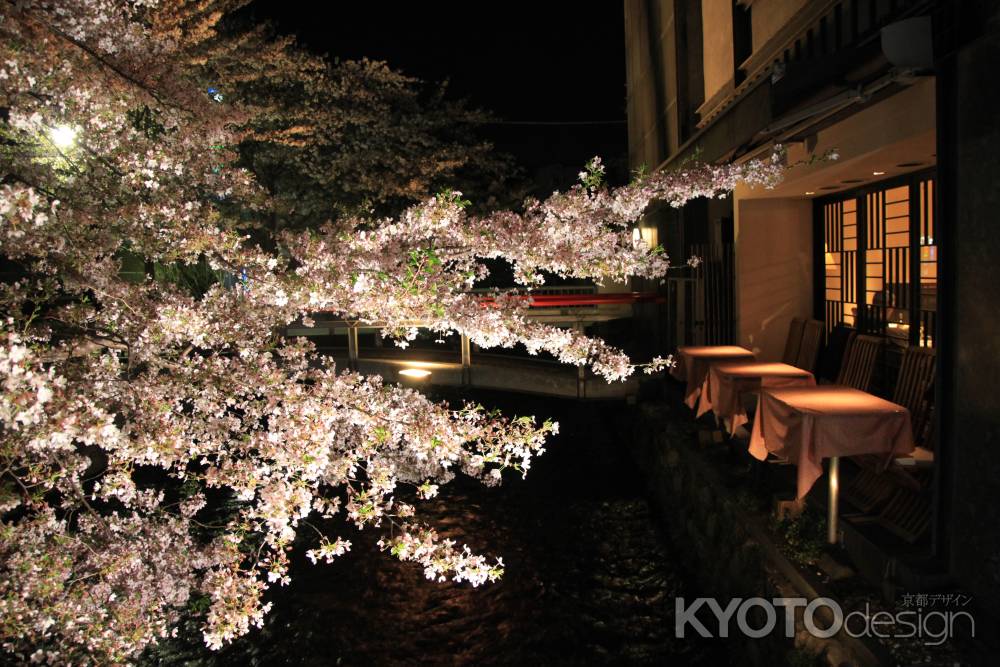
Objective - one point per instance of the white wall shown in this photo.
(774, 279)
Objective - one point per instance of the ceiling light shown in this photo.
(810, 192)
(878, 173)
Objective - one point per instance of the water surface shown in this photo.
(590, 577)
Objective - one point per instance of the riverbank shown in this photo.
(719, 510)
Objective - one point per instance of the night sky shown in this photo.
(524, 61)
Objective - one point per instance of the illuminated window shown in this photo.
(876, 242)
(927, 294)
(841, 246)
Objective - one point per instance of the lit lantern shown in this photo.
(62, 136)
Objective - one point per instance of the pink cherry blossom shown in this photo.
(109, 383)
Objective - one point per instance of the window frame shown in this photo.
(873, 318)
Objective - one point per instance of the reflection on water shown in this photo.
(589, 577)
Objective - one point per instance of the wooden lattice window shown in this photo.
(887, 263)
(876, 242)
(927, 295)
(840, 250)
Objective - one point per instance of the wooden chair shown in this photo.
(835, 353)
(868, 489)
(859, 362)
(907, 515)
(794, 341)
(913, 387)
(873, 484)
(812, 336)
(928, 434)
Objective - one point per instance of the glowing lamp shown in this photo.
(62, 136)
(645, 235)
(416, 373)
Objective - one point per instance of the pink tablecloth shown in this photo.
(808, 424)
(694, 361)
(726, 383)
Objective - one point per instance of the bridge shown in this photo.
(560, 306)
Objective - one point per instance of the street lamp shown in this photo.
(647, 235)
(63, 136)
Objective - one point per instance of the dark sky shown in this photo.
(546, 60)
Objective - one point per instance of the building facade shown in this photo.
(893, 238)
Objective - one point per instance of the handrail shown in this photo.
(562, 300)
(568, 300)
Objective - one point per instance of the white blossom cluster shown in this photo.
(129, 407)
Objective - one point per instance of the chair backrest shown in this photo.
(916, 375)
(794, 341)
(859, 362)
(812, 336)
(926, 434)
(907, 514)
(835, 353)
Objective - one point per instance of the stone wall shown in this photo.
(719, 540)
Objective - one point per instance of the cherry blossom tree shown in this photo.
(330, 139)
(131, 410)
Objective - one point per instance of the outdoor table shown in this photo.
(808, 424)
(725, 384)
(694, 362)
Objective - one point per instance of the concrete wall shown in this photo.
(773, 270)
(898, 129)
(640, 87)
(969, 363)
(651, 76)
(664, 56)
(717, 22)
(769, 16)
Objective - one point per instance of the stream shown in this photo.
(590, 577)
